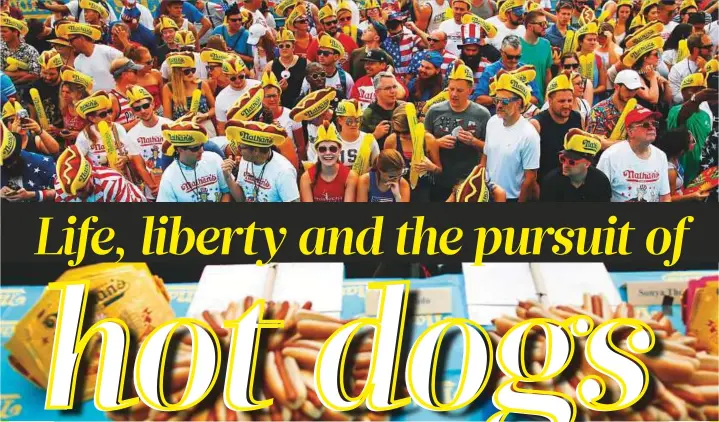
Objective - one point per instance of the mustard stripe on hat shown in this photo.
(248, 105)
(508, 82)
(137, 93)
(50, 59)
(181, 60)
(73, 28)
(560, 83)
(255, 134)
(348, 108)
(8, 145)
(91, 5)
(184, 132)
(69, 74)
(10, 22)
(73, 170)
(327, 132)
(210, 55)
(233, 66)
(96, 102)
(640, 50)
(474, 188)
(313, 105)
(582, 142)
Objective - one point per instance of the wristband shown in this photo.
(38, 196)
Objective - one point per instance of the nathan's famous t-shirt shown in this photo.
(349, 152)
(273, 181)
(204, 183)
(150, 141)
(632, 178)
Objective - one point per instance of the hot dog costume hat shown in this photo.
(474, 188)
(181, 60)
(233, 66)
(640, 50)
(95, 102)
(313, 105)
(296, 13)
(505, 7)
(255, 134)
(185, 38)
(69, 74)
(10, 109)
(650, 30)
(581, 143)
(167, 23)
(560, 83)
(371, 4)
(327, 132)
(326, 12)
(637, 21)
(283, 6)
(247, 106)
(488, 28)
(73, 170)
(269, 79)
(513, 84)
(183, 132)
(73, 28)
(343, 5)
(348, 108)
(137, 93)
(524, 74)
(210, 55)
(16, 24)
(8, 145)
(97, 7)
(329, 42)
(50, 59)
(285, 36)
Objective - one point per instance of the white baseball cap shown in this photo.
(629, 78)
(256, 31)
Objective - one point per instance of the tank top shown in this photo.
(294, 83)
(178, 111)
(333, 191)
(376, 195)
(125, 115)
(552, 136)
(437, 16)
(154, 90)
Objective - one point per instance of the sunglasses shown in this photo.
(234, 19)
(648, 125)
(518, 11)
(571, 66)
(708, 46)
(194, 149)
(333, 149)
(511, 56)
(141, 107)
(300, 21)
(285, 45)
(329, 23)
(430, 39)
(353, 121)
(100, 114)
(189, 71)
(233, 78)
(345, 19)
(543, 24)
(325, 53)
(564, 159)
(318, 76)
(504, 101)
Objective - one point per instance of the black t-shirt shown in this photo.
(50, 96)
(557, 188)
(290, 95)
(552, 140)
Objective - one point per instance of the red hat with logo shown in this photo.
(640, 114)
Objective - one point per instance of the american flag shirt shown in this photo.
(401, 51)
(108, 186)
(37, 172)
(447, 59)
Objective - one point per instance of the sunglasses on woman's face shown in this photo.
(193, 149)
(346, 19)
(189, 71)
(233, 78)
(318, 76)
(323, 150)
(571, 66)
(100, 114)
(504, 101)
(351, 121)
(141, 107)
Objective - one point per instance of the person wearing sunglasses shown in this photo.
(236, 71)
(372, 38)
(327, 180)
(700, 50)
(185, 41)
(289, 68)
(31, 136)
(512, 12)
(404, 40)
(91, 142)
(124, 71)
(279, 113)
(194, 175)
(384, 182)
(349, 120)
(147, 77)
(148, 134)
(511, 54)
(637, 170)
(177, 94)
(346, 10)
(342, 45)
(575, 179)
(329, 52)
(536, 50)
(569, 62)
(91, 59)
(375, 61)
(452, 28)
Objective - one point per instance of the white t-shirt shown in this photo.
(150, 140)
(510, 151)
(632, 178)
(200, 68)
(503, 31)
(437, 16)
(668, 28)
(288, 124)
(454, 35)
(333, 81)
(274, 181)
(74, 7)
(350, 150)
(228, 96)
(97, 66)
(96, 152)
(204, 183)
(145, 16)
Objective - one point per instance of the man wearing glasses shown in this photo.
(342, 47)
(329, 52)
(513, 13)
(91, 59)
(537, 51)
(236, 72)
(637, 170)
(700, 50)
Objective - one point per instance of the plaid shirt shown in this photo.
(25, 53)
(108, 186)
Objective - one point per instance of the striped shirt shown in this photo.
(401, 51)
(107, 186)
(125, 115)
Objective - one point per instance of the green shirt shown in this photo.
(700, 125)
(540, 56)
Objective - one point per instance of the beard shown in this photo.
(471, 61)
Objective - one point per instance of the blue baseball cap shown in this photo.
(131, 13)
(434, 57)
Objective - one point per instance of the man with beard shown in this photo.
(537, 51)
(553, 123)
(700, 50)
(26, 176)
(328, 20)
(476, 54)
(48, 88)
(512, 11)
(428, 82)
(437, 41)
(605, 114)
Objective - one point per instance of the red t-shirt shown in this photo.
(347, 43)
(333, 191)
(363, 90)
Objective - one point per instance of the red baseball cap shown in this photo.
(640, 114)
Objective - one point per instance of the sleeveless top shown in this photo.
(125, 115)
(294, 83)
(437, 16)
(680, 174)
(333, 191)
(154, 90)
(424, 181)
(178, 111)
(376, 195)
(552, 135)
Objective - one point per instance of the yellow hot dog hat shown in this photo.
(461, 72)
(326, 12)
(167, 23)
(269, 79)
(11, 108)
(16, 24)
(712, 66)
(137, 93)
(233, 66)
(327, 132)
(640, 50)
(686, 4)
(183, 132)
(73, 28)
(8, 145)
(329, 42)
(441, 97)
(511, 83)
(560, 83)
(247, 106)
(343, 5)
(73, 170)
(69, 74)
(313, 105)
(95, 102)
(181, 60)
(505, 7)
(693, 80)
(185, 38)
(255, 134)
(581, 143)
(637, 21)
(210, 55)
(50, 59)
(283, 6)
(285, 36)
(296, 13)
(348, 108)
(97, 7)
(650, 30)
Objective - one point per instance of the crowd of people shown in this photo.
(373, 101)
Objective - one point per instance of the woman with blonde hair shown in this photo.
(74, 86)
(384, 183)
(328, 180)
(148, 77)
(178, 92)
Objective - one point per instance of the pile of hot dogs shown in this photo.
(685, 376)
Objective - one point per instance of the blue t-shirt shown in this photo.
(555, 37)
(142, 36)
(482, 87)
(190, 12)
(7, 88)
(237, 42)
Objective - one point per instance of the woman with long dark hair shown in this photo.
(672, 44)
(624, 16)
(384, 183)
(675, 143)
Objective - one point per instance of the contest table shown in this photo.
(21, 400)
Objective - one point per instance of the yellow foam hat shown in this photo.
(327, 132)
(582, 142)
(560, 83)
(508, 82)
(17, 24)
(348, 108)
(269, 79)
(488, 28)
(285, 36)
(586, 29)
(693, 80)
(505, 7)
(11, 108)
(313, 105)
(461, 72)
(167, 23)
(296, 13)
(587, 16)
(255, 134)
(686, 4)
(648, 3)
(184, 132)
(95, 102)
(650, 30)
(640, 50)
(73, 28)
(712, 66)
(71, 75)
(50, 59)
(343, 5)
(441, 97)
(73, 170)
(233, 66)
(13, 65)
(8, 145)
(629, 3)
(637, 21)
(181, 60)
(329, 42)
(97, 7)
(371, 4)
(530, 6)
(604, 17)
(248, 105)
(210, 55)
(185, 38)
(326, 12)
(283, 6)
(137, 93)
